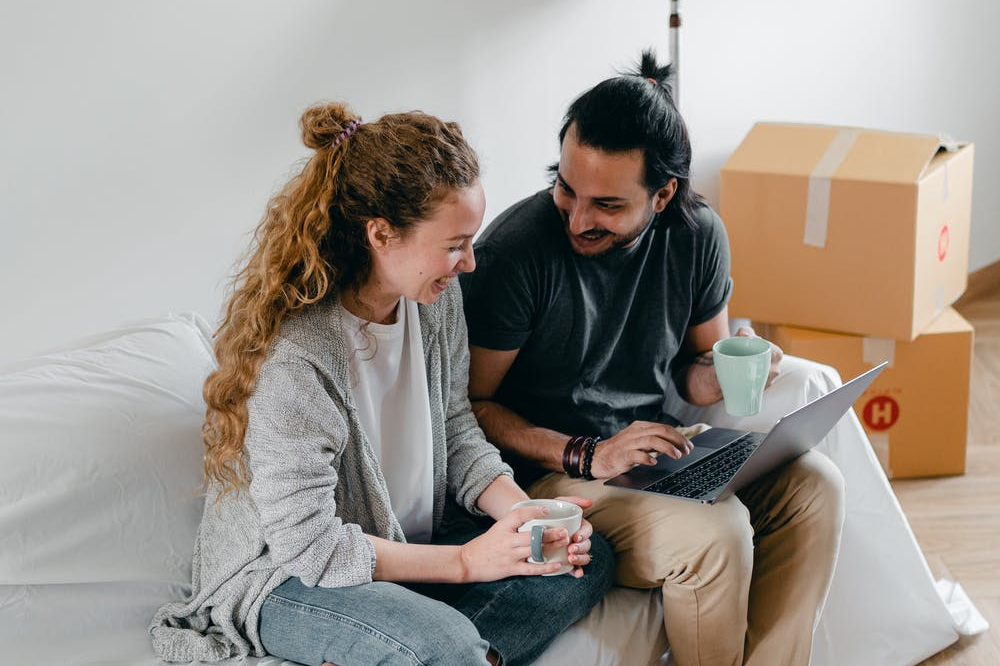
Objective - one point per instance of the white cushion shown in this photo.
(100, 473)
(100, 469)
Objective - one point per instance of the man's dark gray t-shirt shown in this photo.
(599, 337)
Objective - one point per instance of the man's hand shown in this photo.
(638, 444)
(776, 354)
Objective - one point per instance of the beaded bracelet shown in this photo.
(588, 458)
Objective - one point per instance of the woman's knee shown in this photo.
(438, 634)
(599, 575)
(375, 623)
(521, 616)
(455, 642)
(564, 597)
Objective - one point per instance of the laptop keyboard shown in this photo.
(709, 473)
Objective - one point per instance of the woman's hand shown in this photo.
(502, 551)
(579, 543)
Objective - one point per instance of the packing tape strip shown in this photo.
(877, 350)
(818, 196)
(880, 444)
(948, 143)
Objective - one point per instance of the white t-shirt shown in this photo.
(389, 381)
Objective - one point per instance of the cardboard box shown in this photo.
(916, 412)
(849, 230)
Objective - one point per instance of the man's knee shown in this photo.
(819, 479)
(725, 539)
(812, 488)
(697, 547)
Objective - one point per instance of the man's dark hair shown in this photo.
(632, 112)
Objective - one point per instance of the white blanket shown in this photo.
(883, 608)
(99, 465)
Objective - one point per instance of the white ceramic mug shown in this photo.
(563, 514)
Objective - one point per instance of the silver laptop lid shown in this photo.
(801, 430)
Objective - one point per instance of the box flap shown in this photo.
(888, 157)
(861, 154)
(949, 321)
(772, 148)
(945, 152)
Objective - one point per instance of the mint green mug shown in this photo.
(742, 365)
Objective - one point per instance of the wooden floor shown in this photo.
(957, 519)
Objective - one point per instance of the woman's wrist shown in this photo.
(462, 565)
(497, 498)
(420, 563)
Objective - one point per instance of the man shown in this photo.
(587, 300)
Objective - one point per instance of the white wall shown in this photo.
(140, 140)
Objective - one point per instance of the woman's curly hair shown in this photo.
(313, 238)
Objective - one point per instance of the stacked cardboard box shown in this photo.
(852, 244)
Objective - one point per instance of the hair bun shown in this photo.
(648, 68)
(322, 123)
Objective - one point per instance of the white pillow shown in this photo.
(100, 470)
(100, 480)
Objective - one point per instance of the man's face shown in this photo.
(602, 198)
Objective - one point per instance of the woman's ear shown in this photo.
(380, 233)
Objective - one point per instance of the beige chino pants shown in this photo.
(744, 580)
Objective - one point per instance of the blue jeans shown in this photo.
(431, 625)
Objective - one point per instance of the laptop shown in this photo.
(725, 460)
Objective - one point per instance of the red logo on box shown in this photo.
(944, 241)
(880, 413)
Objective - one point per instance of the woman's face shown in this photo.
(435, 250)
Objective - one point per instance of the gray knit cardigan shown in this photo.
(316, 485)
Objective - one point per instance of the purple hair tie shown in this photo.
(351, 126)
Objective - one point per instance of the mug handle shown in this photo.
(537, 531)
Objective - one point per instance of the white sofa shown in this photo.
(100, 467)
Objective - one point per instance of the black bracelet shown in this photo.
(588, 457)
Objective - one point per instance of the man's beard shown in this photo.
(619, 241)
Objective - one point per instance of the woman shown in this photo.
(341, 447)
